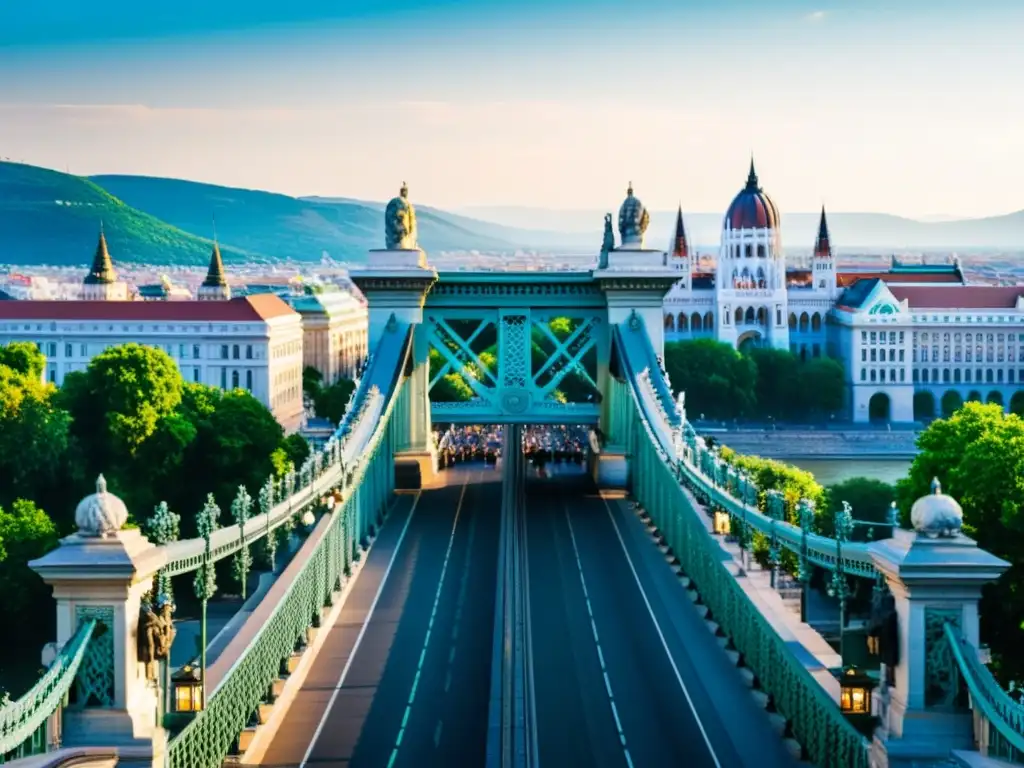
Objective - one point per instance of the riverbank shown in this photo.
(811, 444)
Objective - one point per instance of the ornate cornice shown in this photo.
(514, 289)
(637, 283)
(375, 283)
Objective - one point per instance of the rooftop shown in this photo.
(247, 309)
(958, 296)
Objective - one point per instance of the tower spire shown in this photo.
(680, 248)
(215, 286)
(752, 183)
(822, 244)
(102, 270)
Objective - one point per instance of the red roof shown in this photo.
(846, 279)
(958, 296)
(247, 309)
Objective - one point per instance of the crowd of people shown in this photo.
(542, 445)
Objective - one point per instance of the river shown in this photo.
(830, 471)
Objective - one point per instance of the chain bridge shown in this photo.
(484, 616)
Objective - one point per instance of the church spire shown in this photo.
(215, 287)
(680, 248)
(822, 245)
(752, 182)
(102, 271)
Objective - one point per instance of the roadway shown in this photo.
(625, 671)
(403, 678)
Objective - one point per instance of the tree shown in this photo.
(26, 533)
(330, 402)
(297, 448)
(719, 382)
(822, 386)
(312, 382)
(25, 358)
(870, 499)
(978, 455)
(777, 382)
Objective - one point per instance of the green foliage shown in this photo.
(312, 381)
(719, 382)
(792, 482)
(722, 383)
(870, 500)
(330, 402)
(23, 357)
(978, 455)
(26, 533)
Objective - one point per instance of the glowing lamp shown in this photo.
(722, 524)
(187, 689)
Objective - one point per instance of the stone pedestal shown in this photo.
(117, 705)
(934, 581)
(395, 282)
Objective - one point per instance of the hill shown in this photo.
(48, 217)
(869, 231)
(297, 228)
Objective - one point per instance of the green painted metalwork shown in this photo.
(1002, 718)
(94, 685)
(941, 680)
(23, 722)
(827, 737)
(371, 432)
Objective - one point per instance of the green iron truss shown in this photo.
(829, 740)
(369, 481)
(23, 722)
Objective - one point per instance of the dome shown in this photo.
(101, 514)
(752, 208)
(937, 514)
(400, 222)
(633, 220)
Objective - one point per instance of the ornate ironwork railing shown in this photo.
(817, 724)
(231, 706)
(23, 722)
(1001, 719)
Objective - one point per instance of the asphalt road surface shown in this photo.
(404, 677)
(625, 671)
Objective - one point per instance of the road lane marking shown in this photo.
(430, 627)
(437, 734)
(597, 641)
(661, 635)
(359, 637)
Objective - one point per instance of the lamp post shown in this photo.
(839, 589)
(805, 509)
(775, 512)
(205, 584)
(855, 689)
(187, 686)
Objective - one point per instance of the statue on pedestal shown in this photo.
(633, 220)
(400, 223)
(156, 634)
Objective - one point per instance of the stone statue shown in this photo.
(609, 235)
(633, 220)
(400, 223)
(155, 633)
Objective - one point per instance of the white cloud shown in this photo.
(816, 16)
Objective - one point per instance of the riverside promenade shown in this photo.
(816, 442)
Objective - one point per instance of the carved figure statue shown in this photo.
(156, 632)
(609, 234)
(400, 223)
(633, 220)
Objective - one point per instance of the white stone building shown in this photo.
(915, 340)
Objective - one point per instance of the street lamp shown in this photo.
(308, 518)
(722, 525)
(187, 687)
(855, 689)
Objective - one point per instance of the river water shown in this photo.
(830, 471)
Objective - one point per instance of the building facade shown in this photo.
(915, 340)
(334, 324)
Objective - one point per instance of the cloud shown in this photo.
(815, 17)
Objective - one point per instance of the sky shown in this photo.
(909, 107)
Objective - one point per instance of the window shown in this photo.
(224, 352)
(901, 355)
(235, 354)
(892, 375)
(248, 379)
(873, 374)
(863, 354)
(195, 351)
(84, 351)
(902, 374)
(182, 351)
(863, 374)
(234, 378)
(224, 377)
(874, 355)
(69, 350)
(248, 351)
(195, 375)
(51, 349)
(51, 375)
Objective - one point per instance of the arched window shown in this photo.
(762, 316)
(956, 375)
(682, 323)
(695, 323)
(234, 379)
(760, 252)
(749, 251)
(805, 322)
(749, 317)
(739, 316)
(235, 352)
(709, 321)
(761, 282)
(248, 380)
(792, 321)
(945, 375)
(815, 322)
(670, 323)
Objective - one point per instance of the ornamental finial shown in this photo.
(101, 484)
(404, 191)
(936, 486)
(629, 190)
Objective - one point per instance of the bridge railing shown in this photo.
(365, 448)
(998, 719)
(23, 723)
(816, 722)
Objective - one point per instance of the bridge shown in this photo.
(483, 615)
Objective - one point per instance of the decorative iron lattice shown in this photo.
(514, 352)
(94, 686)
